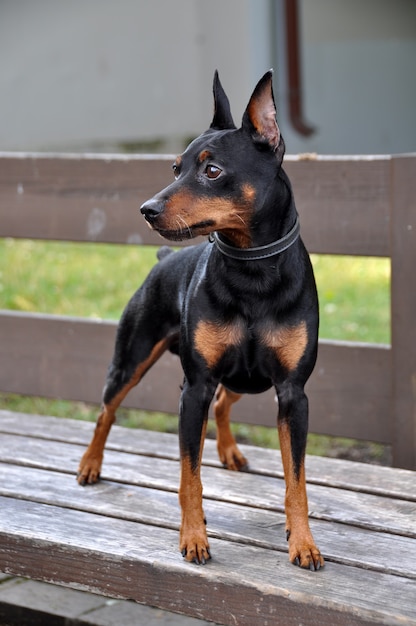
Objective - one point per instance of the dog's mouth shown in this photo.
(187, 232)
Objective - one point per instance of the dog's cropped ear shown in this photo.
(259, 118)
(222, 119)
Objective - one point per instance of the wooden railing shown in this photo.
(347, 205)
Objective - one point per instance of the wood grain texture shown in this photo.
(120, 537)
(79, 198)
(246, 488)
(237, 523)
(403, 310)
(343, 203)
(361, 477)
(139, 562)
(97, 198)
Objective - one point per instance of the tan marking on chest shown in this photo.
(288, 342)
(212, 340)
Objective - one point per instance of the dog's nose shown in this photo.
(151, 209)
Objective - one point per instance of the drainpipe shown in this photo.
(294, 92)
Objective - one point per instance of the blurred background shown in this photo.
(136, 75)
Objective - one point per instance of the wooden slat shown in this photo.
(349, 391)
(79, 198)
(137, 561)
(238, 523)
(362, 477)
(343, 202)
(68, 357)
(62, 357)
(403, 311)
(372, 512)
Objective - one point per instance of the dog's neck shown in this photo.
(259, 252)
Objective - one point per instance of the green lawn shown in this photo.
(96, 280)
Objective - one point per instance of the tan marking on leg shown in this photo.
(302, 548)
(289, 343)
(228, 451)
(212, 340)
(90, 465)
(193, 541)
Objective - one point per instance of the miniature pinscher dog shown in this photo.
(240, 309)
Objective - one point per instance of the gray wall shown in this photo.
(360, 75)
(88, 74)
(84, 72)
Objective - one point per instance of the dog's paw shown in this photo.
(194, 547)
(232, 458)
(89, 470)
(304, 553)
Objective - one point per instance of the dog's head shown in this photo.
(223, 178)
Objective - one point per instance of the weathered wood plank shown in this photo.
(96, 198)
(138, 561)
(343, 203)
(349, 391)
(141, 516)
(79, 198)
(62, 357)
(383, 552)
(403, 303)
(373, 479)
(256, 490)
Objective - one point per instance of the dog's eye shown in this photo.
(176, 170)
(212, 171)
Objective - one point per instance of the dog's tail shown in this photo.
(163, 252)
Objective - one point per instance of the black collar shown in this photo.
(261, 252)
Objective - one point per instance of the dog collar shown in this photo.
(261, 252)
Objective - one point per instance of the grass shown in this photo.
(88, 280)
(96, 280)
(354, 295)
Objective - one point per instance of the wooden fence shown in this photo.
(347, 205)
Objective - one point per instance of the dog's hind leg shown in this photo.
(141, 340)
(228, 451)
(119, 383)
(115, 391)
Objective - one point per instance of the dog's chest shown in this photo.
(214, 341)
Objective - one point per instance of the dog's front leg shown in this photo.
(195, 401)
(293, 428)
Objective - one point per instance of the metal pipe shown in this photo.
(295, 103)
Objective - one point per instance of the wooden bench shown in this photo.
(347, 205)
(120, 538)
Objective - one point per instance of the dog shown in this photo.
(240, 309)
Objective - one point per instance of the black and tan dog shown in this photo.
(241, 309)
